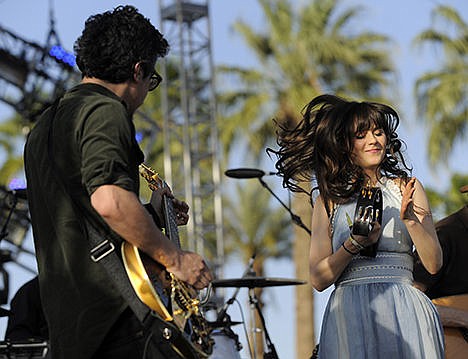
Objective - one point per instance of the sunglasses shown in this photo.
(155, 80)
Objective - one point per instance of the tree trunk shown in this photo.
(305, 335)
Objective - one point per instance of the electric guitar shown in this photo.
(172, 299)
(368, 210)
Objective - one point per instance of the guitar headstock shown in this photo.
(151, 176)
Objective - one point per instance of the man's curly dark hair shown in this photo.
(319, 148)
(114, 41)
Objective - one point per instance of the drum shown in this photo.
(31, 349)
(226, 345)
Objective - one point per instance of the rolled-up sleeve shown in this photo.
(105, 146)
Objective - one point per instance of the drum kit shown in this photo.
(227, 345)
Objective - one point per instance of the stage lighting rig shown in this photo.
(31, 75)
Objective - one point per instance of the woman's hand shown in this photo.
(371, 238)
(407, 214)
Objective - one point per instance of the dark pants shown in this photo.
(127, 340)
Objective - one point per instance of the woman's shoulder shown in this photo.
(401, 182)
(398, 183)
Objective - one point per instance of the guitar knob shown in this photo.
(167, 333)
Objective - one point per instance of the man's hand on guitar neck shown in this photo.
(189, 267)
(192, 269)
(181, 208)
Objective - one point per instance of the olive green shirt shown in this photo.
(93, 144)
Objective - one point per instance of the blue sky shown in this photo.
(399, 19)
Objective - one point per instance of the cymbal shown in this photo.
(255, 282)
(222, 324)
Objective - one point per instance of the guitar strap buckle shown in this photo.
(101, 250)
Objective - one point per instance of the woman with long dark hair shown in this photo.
(346, 147)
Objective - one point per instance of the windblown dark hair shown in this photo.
(114, 41)
(319, 148)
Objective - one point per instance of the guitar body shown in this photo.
(149, 279)
(456, 346)
(171, 299)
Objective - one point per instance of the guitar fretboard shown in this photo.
(172, 230)
(155, 182)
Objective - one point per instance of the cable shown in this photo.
(245, 328)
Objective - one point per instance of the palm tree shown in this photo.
(442, 94)
(11, 141)
(302, 53)
(451, 200)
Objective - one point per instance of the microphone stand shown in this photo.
(248, 271)
(295, 218)
(4, 232)
(271, 354)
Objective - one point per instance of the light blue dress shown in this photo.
(374, 311)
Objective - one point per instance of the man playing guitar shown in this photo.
(81, 164)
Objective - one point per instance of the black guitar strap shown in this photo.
(103, 250)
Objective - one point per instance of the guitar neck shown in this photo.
(155, 182)
(172, 230)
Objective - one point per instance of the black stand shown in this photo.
(271, 353)
(4, 232)
(248, 271)
(5, 255)
(295, 218)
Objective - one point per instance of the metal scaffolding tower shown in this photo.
(191, 158)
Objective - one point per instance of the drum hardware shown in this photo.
(255, 282)
(271, 353)
(225, 336)
(9, 203)
(227, 345)
(227, 323)
(251, 281)
(248, 271)
(31, 349)
(14, 214)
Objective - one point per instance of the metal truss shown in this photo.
(30, 77)
(192, 154)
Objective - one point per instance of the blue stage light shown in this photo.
(139, 137)
(17, 183)
(61, 55)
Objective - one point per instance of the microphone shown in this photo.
(247, 173)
